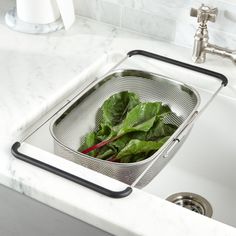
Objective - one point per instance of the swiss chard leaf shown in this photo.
(90, 140)
(159, 130)
(105, 153)
(137, 148)
(115, 109)
(103, 132)
(141, 117)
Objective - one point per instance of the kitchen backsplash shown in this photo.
(164, 19)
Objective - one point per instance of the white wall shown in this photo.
(163, 19)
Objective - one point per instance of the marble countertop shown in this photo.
(36, 70)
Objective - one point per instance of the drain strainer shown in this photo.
(193, 202)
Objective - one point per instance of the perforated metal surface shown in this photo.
(82, 117)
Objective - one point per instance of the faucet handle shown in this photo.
(204, 14)
(213, 14)
(193, 12)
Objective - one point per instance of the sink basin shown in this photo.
(206, 163)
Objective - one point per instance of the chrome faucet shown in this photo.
(201, 44)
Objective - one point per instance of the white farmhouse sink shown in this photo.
(206, 163)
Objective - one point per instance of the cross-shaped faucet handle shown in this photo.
(204, 14)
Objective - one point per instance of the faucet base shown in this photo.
(199, 60)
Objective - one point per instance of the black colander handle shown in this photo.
(217, 75)
(113, 194)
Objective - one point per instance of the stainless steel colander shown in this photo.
(69, 128)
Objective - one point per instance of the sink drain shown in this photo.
(193, 202)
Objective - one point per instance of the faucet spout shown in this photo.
(220, 51)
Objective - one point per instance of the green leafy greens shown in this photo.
(130, 130)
